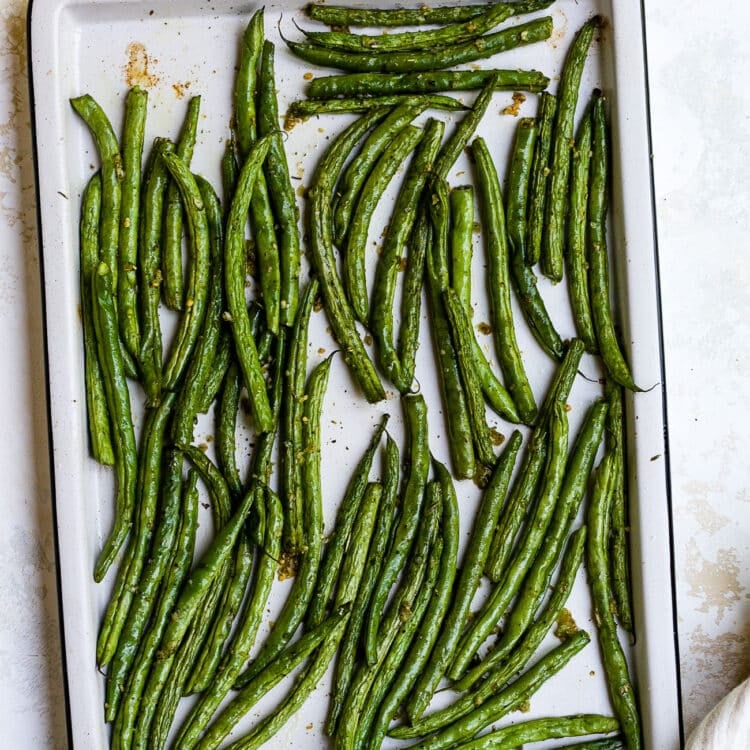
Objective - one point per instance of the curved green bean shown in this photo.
(127, 254)
(235, 271)
(415, 40)
(539, 177)
(469, 578)
(384, 84)
(149, 263)
(601, 309)
(508, 353)
(336, 15)
(377, 181)
(538, 730)
(280, 190)
(358, 170)
(196, 298)
(129, 575)
(562, 145)
(340, 316)
(413, 62)
(395, 245)
(247, 628)
(112, 174)
(499, 705)
(532, 304)
(615, 665)
(118, 405)
(96, 400)
(418, 461)
(171, 250)
(226, 428)
(528, 547)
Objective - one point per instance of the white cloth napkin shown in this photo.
(727, 726)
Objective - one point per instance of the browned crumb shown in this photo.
(496, 437)
(308, 76)
(287, 566)
(515, 108)
(368, 339)
(402, 264)
(566, 625)
(524, 707)
(484, 328)
(318, 303)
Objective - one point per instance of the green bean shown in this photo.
(601, 310)
(571, 494)
(382, 173)
(597, 565)
(111, 175)
(352, 569)
(356, 173)
(562, 145)
(499, 678)
(540, 170)
(346, 662)
(118, 406)
(292, 448)
(413, 62)
(394, 247)
(328, 632)
(536, 454)
(222, 358)
(198, 271)
(171, 251)
(126, 727)
(247, 627)
(132, 154)
(335, 15)
(509, 355)
(461, 247)
(418, 461)
(149, 474)
(340, 316)
(475, 557)
(462, 343)
(229, 171)
(303, 109)
(183, 557)
(297, 603)
(444, 36)
(411, 302)
(384, 84)
(246, 84)
(401, 611)
(339, 539)
(149, 263)
(299, 693)
(234, 283)
(96, 400)
(528, 547)
(157, 565)
(430, 628)
(525, 282)
(614, 743)
(226, 428)
(538, 730)
(201, 363)
(454, 398)
(281, 192)
(408, 632)
(619, 553)
(576, 255)
(462, 227)
(202, 578)
(499, 705)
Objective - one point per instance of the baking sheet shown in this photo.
(178, 50)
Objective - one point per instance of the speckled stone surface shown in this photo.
(699, 63)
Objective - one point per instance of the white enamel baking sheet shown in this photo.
(180, 49)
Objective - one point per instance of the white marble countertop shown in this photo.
(699, 65)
